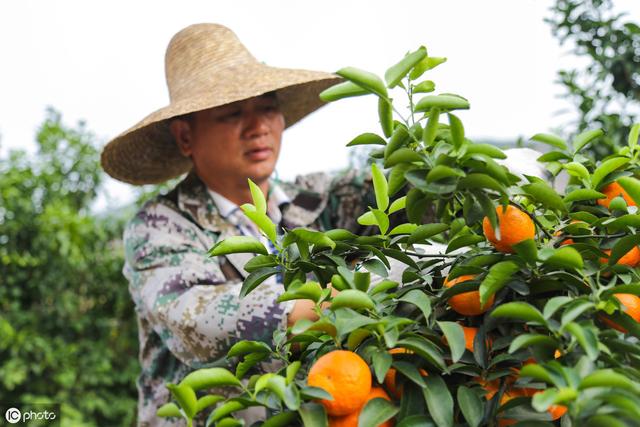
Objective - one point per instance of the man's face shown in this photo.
(231, 143)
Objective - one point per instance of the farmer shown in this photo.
(223, 124)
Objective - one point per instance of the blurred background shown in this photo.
(76, 74)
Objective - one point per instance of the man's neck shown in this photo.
(238, 193)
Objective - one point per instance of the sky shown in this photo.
(103, 62)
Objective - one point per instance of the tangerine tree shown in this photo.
(528, 315)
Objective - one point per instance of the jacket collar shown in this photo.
(194, 200)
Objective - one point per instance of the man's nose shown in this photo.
(257, 123)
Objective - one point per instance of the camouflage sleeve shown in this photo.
(184, 294)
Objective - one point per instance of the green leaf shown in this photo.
(229, 422)
(546, 195)
(548, 139)
(554, 304)
(575, 309)
(261, 261)
(367, 218)
(364, 79)
(578, 170)
(419, 299)
(583, 194)
(313, 415)
(634, 133)
(342, 90)
(205, 401)
(425, 349)
(497, 278)
(454, 334)
(532, 340)
(462, 241)
(606, 168)
(348, 320)
(362, 280)
(397, 72)
(352, 298)
(585, 338)
(381, 363)
(586, 137)
(380, 187)
(402, 155)
(367, 139)
(608, 378)
(564, 257)
(339, 234)
(424, 65)
(471, 406)
(431, 129)
(457, 131)
(439, 400)
(537, 372)
(209, 378)
(382, 219)
(604, 420)
(424, 87)
(310, 290)
(186, 398)
(385, 115)
(313, 237)
(376, 411)
(482, 181)
(244, 347)
(169, 410)
(259, 202)
(631, 186)
(238, 244)
(519, 310)
(541, 401)
(396, 177)
(398, 204)
(528, 250)
(441, 171)
(399, 138)
(426, 231)
(282, 419)
(260, 219)
(486, 149)
(445, 102)
(255, 278)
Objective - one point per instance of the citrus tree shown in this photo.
(530, 315)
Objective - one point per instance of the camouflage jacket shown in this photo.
(187, 303)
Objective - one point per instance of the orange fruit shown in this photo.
(612, 191)
(467, 303)
(631, 258)
(351, 420)
(515, 226)
(631, 305)
(345, 376)
(390, 376)
(469, 336)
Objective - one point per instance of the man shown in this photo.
(223, 125)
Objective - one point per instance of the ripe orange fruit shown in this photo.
(515, 226)
(390, 376)
(351, 420)
(345, 376)
(469, 336)
(612, 191)
(631, 305)
(631, 258)
(467, 303)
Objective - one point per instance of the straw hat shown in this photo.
(206, 66)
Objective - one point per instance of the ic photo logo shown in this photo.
(13, 415)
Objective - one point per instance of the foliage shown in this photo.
(606, 90)
(546, 341)
(67, 326)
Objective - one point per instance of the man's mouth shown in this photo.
(259, 153)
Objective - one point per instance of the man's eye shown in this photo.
(231, 115)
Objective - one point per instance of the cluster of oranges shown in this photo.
(347, 378)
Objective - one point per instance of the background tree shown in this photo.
(606, 89)
(67, 328)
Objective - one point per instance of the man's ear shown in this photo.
(181, 131)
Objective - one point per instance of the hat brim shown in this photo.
(147, 153)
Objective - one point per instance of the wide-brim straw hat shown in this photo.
(206, 66)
